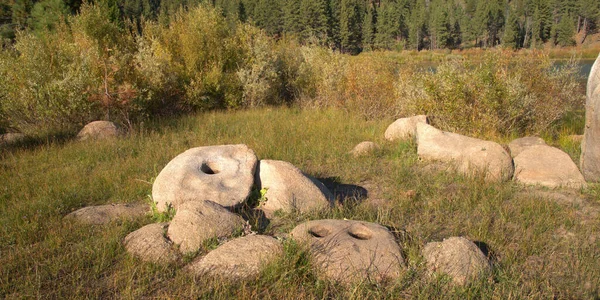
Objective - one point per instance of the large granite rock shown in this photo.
(518, 145)
(197, 221)
(590, 147)
(104, 214)
(351, 251)
(150, 244)
(222, 174)
(469, 155)
(288, 189)
(98, 130)
(547, 166)
(239, 258)
(404, 128)
(457, 257)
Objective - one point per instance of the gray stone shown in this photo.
(469, 155)
(239, 258)
(590, 147)
(222, 174)
(364, 148)
(104, 214)
(517, 146)
(98, 130)
(457, 257)
(11, 138)
(404, 129)
(288, 189)
(547, 166)
(351, 251)
(197, 221)
(150, 244)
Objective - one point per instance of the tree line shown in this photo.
(352, 26)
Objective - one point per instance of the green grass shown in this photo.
(539, 248)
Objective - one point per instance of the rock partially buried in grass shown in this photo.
(364, 148)
(98, 130)
(150, 244)
(469, 155)
(288, 189)
(547, 166)
(351, 251)
(104, 214)
(517, 146)
(457, 257)
(197, 221)
(11, 138)
(222, 174)
(404, 129)
(239, 258)
(590, 146)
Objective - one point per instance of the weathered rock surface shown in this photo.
(239, 258)
(197, 221)
(457, 257)
(517, 146)
(150, 244)
(469, 155)
(288, 189)
(590, 147)
(547, 166)
(11, 138)
(104, 214)
(404, 128)
(364, 148)
(351, 251)
(222, 174)
(98, 130)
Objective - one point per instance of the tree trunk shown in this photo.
(585, 30)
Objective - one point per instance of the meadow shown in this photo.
(540, 245)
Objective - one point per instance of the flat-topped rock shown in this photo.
(150, 244)
(351, 251)
(590, 146)
(404, 129)
(457, 257)
(469, 155)
(288, 189)
(222, 174)
(104, 214)
(547, 166)
(364, 148)
(98, 130)
(239, 258)
(197, 221)
(518, 145)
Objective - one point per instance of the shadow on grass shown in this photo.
(345, 193)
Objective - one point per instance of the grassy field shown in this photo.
(542, 243)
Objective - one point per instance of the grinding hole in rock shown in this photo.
(209, 168)
(359, 232)
(318, 231)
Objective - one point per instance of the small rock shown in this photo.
(517, 146)
(547, 166)
(197, 221)
(104, 214)
(239, 258)
(150, 244)
(404, 129)
(351, 251)
(222, 174)
(457, 257)
(469, 155)
(11, 138)
(98, 130)
(364, 148)
(288, 189)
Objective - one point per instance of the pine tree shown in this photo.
(350, 26)
(511, 37)
(314, 20)
(47, 13)
(387, 25)
(417, 25)
(565, 31)
(368, 28)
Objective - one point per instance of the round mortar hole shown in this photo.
(360, 232)
(209, 168)
(318, 231)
